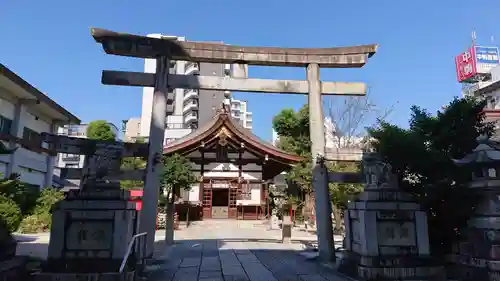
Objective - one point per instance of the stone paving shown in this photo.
(237, 250)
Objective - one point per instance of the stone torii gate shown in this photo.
(164, 50)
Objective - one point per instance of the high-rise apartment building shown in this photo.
(239, 111)
(192, 108)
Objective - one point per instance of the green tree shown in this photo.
(422, 158)
(133, 163)
(349, 118)
(176, 174)
(293, 130)
(100, 130)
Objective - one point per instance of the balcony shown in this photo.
(190, 93)
(193, 117)
(192, 68)
(191, 105)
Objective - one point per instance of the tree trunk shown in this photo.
(337, 217)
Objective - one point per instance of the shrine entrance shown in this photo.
(219, 199)
(220, 203)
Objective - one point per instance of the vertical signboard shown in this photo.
(465, 64)
(486, 58)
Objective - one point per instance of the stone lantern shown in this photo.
(476, 256)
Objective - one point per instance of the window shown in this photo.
(5, 125)
(31, 136)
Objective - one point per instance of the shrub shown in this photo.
(10, 213)
(41, 219)
(24, 195)
(36, 223)
(48, 197)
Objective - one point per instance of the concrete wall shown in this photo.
(132, 129)
(33, 167)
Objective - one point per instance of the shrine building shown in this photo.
(234, 166)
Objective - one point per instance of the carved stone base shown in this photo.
(89, 235)
(475, 260)
(391, 268)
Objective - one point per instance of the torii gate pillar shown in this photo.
(319, 176)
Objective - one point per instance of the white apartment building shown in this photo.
(65, 160)
(25, 112)
(132, 129)
(490, 91)
(239, 111)
(175, 129)
(336, 148)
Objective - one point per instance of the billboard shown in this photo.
(476, 62)
(486, 58)
(465, 64)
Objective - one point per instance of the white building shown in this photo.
(25, 112)
(175, 129)
(192, 108)
(490, 91)
(65, 160)
(239, 111)
(345, 148)
(132, 128)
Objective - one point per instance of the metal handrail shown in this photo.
(129, 250)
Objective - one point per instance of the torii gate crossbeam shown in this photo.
(164, 50)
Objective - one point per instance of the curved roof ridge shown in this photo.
(221, 119)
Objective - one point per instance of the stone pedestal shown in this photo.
(286, 229)
(386, 231)
(477, 256)
(90, 234)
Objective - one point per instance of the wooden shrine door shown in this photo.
(233, 196)
(207, 200)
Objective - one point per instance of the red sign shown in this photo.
(137, 198)
(465, 64)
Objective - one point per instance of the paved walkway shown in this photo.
(237, 250)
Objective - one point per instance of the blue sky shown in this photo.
(48, 43)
